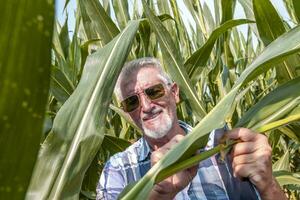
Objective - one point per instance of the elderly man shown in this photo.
(149, 96)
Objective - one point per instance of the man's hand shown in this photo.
(252, 159)
(168, 188)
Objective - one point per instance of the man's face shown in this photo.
(154, 117)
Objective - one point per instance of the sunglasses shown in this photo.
(133, 102)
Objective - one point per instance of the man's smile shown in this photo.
(151, 116)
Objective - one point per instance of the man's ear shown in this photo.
(175, 92)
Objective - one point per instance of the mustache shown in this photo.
(151, 113)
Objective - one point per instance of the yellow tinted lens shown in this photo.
(155, 91)
(130, 104)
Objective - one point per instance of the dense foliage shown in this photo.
(250, 80)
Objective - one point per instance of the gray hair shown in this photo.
(134, 66)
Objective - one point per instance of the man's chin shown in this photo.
(157, 127)
(154, 134)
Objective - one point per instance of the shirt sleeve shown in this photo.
(111, 183)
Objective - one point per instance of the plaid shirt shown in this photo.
(214, 179)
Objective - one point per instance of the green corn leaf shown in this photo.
(60, 86)
(283, 163)
(61, 49)
(66, 4)
(286, 178)
(285, 45)
(173, 61)
(193, 161)
(248, 9)
(279, 123)
(75, 59)
(227, 10)
(126, 117)
(209, 19)
(78, 128)
(103, 24)
(190, 5)
(198, 59)
(114, 144)
(183, 41)
(121, 11)
(296, 5)
(273, 106)
(288, 131)
(64, 38)
(88, 28)
(270, 26)
(57, 46)
(25, 60)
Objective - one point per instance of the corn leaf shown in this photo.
(78, 128)
(103, 24)
(283, 163)
(227, 10)
(270, 26)
(25, 60)
(286, 178)
(126, 117)
(198, 59)
(61, 87)
(282, 122)
(273, 106)
(89, 30)
(173, 61)
(121, 10)
(296, 5)
(285, 45)
(248, 9)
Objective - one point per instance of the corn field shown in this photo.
(60, 120)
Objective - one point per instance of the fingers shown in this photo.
(192, 171)
(243, 159)
(256, 172)
(250, 147)
(243, 148)
(158, 153)
(241, 133)
(261, 156)
(178, 181)
(252, 157)
(250, 141)
(258, 142)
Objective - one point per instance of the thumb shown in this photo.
(155, 147)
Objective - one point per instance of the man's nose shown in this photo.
(145, 103)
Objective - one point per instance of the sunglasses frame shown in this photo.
(144, 91)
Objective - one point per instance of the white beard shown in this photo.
(160, 129)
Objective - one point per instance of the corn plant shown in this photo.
(223, 75)
(25, 41)
(223, 78)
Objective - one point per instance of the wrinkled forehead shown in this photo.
(139, 80)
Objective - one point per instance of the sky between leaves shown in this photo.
(239, 13)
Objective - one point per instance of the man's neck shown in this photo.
(157, 143)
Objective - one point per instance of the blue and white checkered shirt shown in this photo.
(214, 179)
